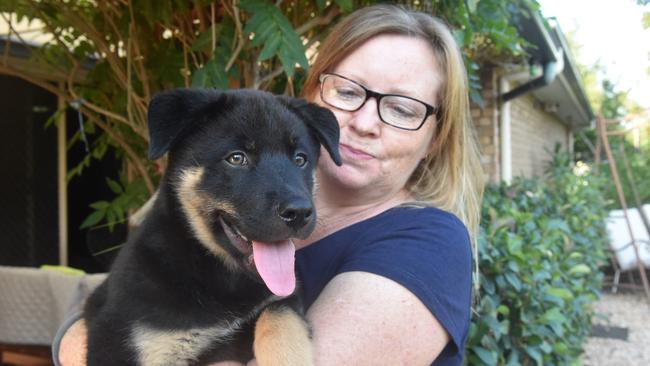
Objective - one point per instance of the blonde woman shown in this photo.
(386, 275)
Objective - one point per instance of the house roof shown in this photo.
(564, 96)
(15, 54)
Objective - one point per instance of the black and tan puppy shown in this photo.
(209, 275)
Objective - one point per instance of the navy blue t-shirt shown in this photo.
(426, 250)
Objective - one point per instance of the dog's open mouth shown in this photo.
(236, 238)
(274, 261)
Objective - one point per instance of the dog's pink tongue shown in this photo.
(275, 264)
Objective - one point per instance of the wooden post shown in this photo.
(62, 171)
(602, 132)
(597, 153)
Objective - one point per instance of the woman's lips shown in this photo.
(354, 153)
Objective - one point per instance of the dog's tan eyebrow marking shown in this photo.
(196, 207)
(293, 141)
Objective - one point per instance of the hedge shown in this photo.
(541, 247)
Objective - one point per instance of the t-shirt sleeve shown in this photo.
(429, 253)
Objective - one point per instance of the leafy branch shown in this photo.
(110, 57)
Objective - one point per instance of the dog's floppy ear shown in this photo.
(321, 122)
(171, 113)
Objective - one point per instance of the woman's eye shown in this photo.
(402, 111)
(347, 93)
(300, 159)
(237, 159)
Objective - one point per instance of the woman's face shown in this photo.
(377, 157)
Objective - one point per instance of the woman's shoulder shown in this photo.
(426, 250)
(411, 230)
(409, 220)
(413, 233)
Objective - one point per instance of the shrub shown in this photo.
(541, 245)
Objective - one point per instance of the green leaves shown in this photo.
(562, 293)
(127, 197)
(580, 269)
(266, 36)
(486, 356)
(346, 5)
(271, 29)
(540, 250)
(213, 74)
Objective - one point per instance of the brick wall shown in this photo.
(534, 135)
(486, 124)
(532, 132)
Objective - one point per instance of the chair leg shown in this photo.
(617, 277)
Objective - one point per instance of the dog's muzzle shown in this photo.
(274, 261)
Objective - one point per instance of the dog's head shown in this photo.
(241, 165)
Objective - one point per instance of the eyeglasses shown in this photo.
(396, 110)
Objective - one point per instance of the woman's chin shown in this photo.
(352, 178)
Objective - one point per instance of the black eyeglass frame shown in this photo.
(378, 96)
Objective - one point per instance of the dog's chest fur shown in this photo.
(184, 347)
(177, 305)
(176, 347)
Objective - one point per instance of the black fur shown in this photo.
(166, 278)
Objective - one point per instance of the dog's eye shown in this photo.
(300, 159)
(237, 159)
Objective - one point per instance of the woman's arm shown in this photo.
(365, 319)
(359, 319)
(72, 350)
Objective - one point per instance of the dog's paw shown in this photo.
(282, 339)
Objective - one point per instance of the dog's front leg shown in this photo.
(282, 338)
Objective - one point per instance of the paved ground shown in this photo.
(623, 311)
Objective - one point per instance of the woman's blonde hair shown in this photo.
(450, 177)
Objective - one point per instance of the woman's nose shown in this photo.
(366, 121)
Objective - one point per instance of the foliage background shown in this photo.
(115, 54)
(613, 104)
(540, 251)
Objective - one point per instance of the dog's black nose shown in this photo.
(296, 213)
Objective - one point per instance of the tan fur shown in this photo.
(197, 206)
(212, 205)
(176, 347)
(183, 347)
(138, 216)
(282, 339)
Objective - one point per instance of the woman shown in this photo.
(387, 273)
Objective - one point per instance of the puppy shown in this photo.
(209, 274)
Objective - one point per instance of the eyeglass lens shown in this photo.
(395, 110)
